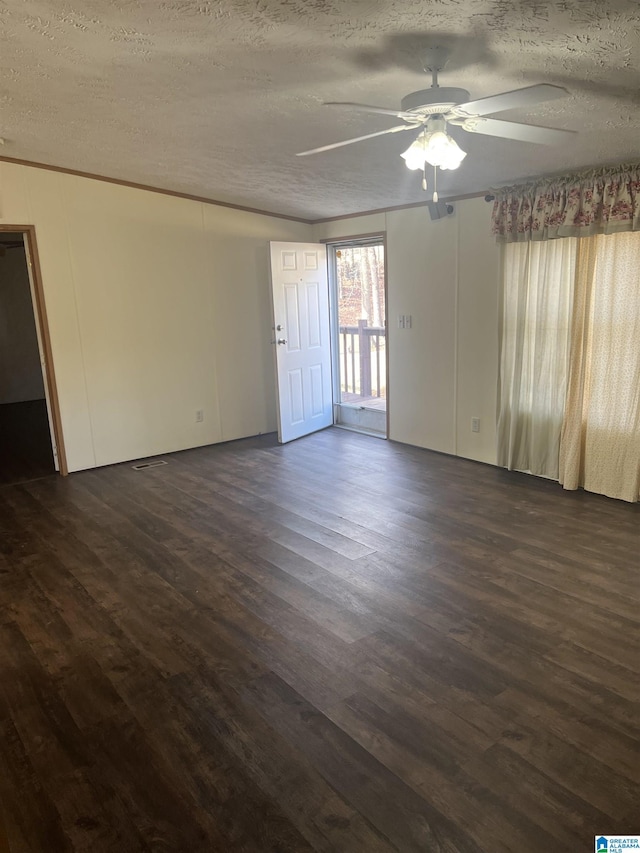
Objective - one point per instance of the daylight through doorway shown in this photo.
(361, 339)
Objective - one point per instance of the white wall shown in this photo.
(476, 330)
(20, 370)
(443, 371)
(157, 306)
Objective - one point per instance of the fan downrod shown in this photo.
(435, 59)
(436, 99)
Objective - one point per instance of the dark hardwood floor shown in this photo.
(342, 644)
(25, 442)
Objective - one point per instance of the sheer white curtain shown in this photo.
(569, 384)
(600, 447)
(537, 295)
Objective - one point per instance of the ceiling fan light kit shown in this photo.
(430, 110)
(434, 146)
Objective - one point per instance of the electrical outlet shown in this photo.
(199, 416)
(475, 424)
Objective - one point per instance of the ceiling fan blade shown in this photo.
(515, 130)
(365, 108)
(511, 100)
(356, 139)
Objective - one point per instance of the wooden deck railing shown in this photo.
(362, 356)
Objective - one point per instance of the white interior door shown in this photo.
(300, 291)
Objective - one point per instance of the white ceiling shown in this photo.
(214, 97)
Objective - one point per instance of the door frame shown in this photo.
(44, 339)
(332, 243)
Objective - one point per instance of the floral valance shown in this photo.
(605, 201)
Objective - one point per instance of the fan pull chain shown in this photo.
(424, 177)
(435, 183)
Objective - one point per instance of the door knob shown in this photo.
(281, 341)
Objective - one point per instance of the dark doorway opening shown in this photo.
(26, 446)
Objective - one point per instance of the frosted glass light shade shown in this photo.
(436, 148)
(416, 154)
(443, 151)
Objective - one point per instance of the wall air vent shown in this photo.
(152, 463)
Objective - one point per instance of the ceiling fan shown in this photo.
(431, 110)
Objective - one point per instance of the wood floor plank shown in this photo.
(407, 820)
(52, 740)
(598, 738)
(567, 820)
(322, 816)
(578, 771)
(32, 820)
(4, 841)
(491, 818)
(26, 452)
(340, 644)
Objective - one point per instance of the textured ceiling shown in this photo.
(214, 98)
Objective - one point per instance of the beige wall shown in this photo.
(443, 371)
(157, 307)
(160, 306)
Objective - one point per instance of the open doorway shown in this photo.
(28, 445)
(357, 268)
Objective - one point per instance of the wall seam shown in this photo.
(212, 302)
(456, 314)
(63, 196)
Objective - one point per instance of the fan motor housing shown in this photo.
(438, 99)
